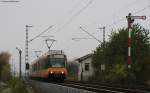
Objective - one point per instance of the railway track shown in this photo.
(92, 87)
(101, 88)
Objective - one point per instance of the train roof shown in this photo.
(52, 52)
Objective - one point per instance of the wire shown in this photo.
(142, 9)
(121, 19)
(79, 12)
(71, 11)
(40, 34)
(51, 26)
(128, 5)
(10, 1)
(81, 38)
(67, 21)
(90, 34)
(109, 25)
(75, 15)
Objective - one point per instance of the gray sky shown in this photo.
(66, 16)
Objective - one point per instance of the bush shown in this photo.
(114, 54)
(17, 86)
(4, 66)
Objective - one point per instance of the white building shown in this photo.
(86, 69)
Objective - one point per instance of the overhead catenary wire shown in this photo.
(10, 1)
(67, 21)
(90, 34)
(40, 34)
(80, 11)
(142, 9)
(77, 5)
(69, 12)
(124, 18)
(128, 5)
(93, 37)
(76, 14)
(79, 38)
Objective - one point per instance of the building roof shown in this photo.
(84, 57)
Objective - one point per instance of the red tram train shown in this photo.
(51, 66)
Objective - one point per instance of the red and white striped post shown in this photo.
(130, 20)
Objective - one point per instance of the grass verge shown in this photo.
(17, 86)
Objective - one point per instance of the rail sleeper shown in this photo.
(65, 89)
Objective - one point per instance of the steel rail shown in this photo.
(114, 89)
(90, 88)
(97, 88)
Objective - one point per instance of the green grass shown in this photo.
(17, 86)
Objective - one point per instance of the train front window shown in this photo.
(57, 62)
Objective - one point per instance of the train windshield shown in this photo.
(57, 62)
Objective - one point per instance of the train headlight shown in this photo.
(62, 72)
(51, 72)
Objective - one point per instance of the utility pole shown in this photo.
(103, 65)
(103, 28)
(14, 67)
(20, 52)
(26, 47)
(130, 20)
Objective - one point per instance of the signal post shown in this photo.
(130, 20)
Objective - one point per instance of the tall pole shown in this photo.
(20, 52)
(14, 67)
(26, 47)
(103, 28)
(103, 65)
(130, 20)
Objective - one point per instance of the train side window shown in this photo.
(87, 66)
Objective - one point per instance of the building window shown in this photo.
(87, 66)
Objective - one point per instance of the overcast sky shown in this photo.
(66, 16)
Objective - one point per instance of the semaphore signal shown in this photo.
(130, 20)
